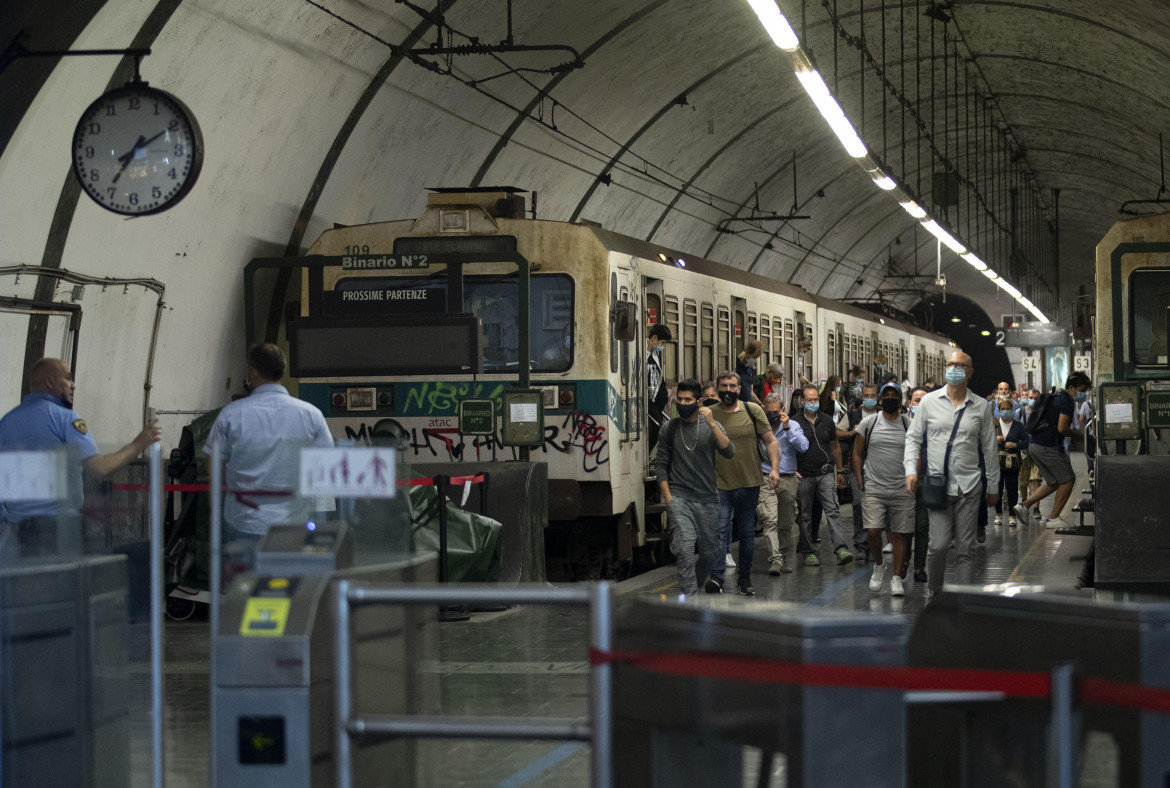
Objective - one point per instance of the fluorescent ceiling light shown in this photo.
(775, 23)
(1025, 303)
(990, 274)
(914, 209)
(975, 262)
(885, 183)
(818, 91)
(1008, 288)
(948, 240)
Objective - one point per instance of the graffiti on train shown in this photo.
(440, 440)
(442, 398)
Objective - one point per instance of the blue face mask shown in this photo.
(1026, 402)
(913, 409)
(658, 350)
(869, 403)
(837, 390)
(956, 375)
(812, 407)
(1080, 397)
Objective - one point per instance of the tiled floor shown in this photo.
(532, 662)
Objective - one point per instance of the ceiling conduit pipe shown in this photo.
(152, 285)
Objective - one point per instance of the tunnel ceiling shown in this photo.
(680, 126)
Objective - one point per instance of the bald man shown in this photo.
(45, 420)
(1004, 391)
(956, 425)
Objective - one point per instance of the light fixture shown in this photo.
(681, 263)
(935, 229)
(985, 333)
(990, 274)
(882, 320)
(662, 257)
(775, 23)
(956, 320)
(831, 111)
(885, 183)
(914, 209)
(975, 262)
(1008, 288)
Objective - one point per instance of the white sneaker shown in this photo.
(875, 580)
(728, 562)
(1021, 511)
(1057, 522)
(889, 548)
(999, 519)
(1011, 522)
(896, 588)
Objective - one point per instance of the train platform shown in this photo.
(533, 661)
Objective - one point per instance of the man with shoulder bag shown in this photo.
(956, 425)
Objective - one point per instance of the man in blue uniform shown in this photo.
(45, 420)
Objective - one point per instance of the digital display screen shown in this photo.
(383, 346)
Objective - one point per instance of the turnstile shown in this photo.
(675, 731)
(1003, 743)
(273, 706)
(64, 708)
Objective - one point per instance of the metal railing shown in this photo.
(597, 729)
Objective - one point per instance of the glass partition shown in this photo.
(80, 617)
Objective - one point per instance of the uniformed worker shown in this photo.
(259, 437)
(45, 420)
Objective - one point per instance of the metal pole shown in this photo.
(523, 275)
(1062, 728)
(342, 752)
(601, 687)
(441, 500)
(158, 773)
(216, 582)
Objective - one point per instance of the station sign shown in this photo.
(1036, 335)
(477, 417)
(1083, 362)
(1157, 409)
(1031, 364)
(377, 262)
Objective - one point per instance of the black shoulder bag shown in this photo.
(934, 488)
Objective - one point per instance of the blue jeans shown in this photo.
(739, 503)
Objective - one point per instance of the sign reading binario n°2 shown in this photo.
(379, 262)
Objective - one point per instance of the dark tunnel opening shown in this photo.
(966, 324)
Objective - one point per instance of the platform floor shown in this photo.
(532, 661)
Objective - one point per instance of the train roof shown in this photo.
(616, 242)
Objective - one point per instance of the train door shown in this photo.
(631, 378)
(804, 346)
(654, 314)
(723, 338)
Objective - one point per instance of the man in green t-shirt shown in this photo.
(738, 477)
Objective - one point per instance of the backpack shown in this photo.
(1038, 418)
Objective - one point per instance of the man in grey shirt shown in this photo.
(685, 468)
(935, 421)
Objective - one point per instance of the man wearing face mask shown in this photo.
(686, 477)
(657, 393)
(777, 507)
(1047, 450)
(821, 472)
(1004, 391)
(868, 406)
(956, 426)
(738, 477)
(921, 520)
(878, 452)
(45, 420)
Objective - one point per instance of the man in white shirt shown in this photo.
(259, 437)
(936, 421)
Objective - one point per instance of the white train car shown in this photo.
(595, 384)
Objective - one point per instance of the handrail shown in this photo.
(597, 729)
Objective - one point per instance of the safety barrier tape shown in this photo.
(1020, 684)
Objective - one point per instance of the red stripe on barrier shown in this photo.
(766, 671)
(455, 480)
(1133, 696)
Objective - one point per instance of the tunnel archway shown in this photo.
(968, 325)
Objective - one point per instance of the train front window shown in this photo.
(550, 328)
(1149, 293)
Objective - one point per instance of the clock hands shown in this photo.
(126, 157)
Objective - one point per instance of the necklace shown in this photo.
(682, 432)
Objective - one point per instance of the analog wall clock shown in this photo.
(137, 150)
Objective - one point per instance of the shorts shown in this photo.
(899, 504)
(1053, 464)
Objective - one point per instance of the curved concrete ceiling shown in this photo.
(312, 116)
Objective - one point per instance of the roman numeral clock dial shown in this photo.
(137, 150)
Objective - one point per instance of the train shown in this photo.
(391, 353)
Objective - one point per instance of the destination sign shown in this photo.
(1036, 335)
(366, 262)
(463, 244)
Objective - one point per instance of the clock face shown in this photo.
(137, 150)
